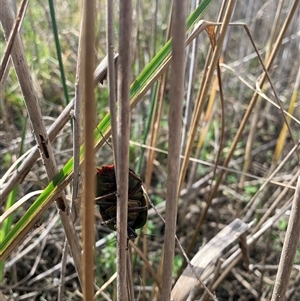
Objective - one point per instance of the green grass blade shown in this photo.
(7, 223)
(196, 15)
(58, 50)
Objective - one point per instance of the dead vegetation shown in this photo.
(239, 154)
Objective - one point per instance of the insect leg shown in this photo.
(113, 219)
(131, 233)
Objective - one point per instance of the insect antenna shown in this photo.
(104, 138)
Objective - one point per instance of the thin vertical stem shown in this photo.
(58, 51)
(124, 79)
(289, 249)
(111, 75)
(176, 101)
(77, 115)
(11, 39)
(89, 162)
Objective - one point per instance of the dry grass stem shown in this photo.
(111, 76)
(75, 206)
(290, 245)
(11, 39)
(89, 113)
(174, 140)
(124, 79)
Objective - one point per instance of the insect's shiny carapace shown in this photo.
(106, 199)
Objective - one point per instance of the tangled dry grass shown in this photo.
(250, 178)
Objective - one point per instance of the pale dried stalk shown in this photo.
(75, 206)
(111, 76)
(289, 249)
(124, 78)
(89, 109)
(11, 39)
(61, 287)
(176, 102)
